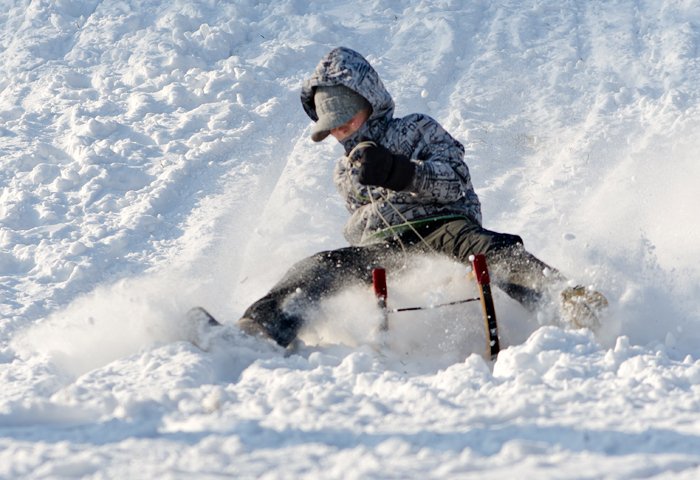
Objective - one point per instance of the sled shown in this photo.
(483, 282)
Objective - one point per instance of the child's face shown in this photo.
(351, 126)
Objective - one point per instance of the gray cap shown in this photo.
(335, 106)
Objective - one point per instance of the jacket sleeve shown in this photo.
(441, 173)
(345, 177)
(442, 177)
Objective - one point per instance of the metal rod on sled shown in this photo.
(483, 281)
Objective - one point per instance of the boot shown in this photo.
(583, 307)
(266, 318)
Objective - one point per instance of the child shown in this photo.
(408, 190)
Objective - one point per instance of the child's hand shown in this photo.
(378, 166)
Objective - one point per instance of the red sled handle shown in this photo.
(380, 291)
(379, 282)
(481, 272)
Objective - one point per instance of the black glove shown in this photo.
(378, 166)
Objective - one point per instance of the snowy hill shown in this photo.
(156, 156)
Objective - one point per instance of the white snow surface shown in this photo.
(155, 156)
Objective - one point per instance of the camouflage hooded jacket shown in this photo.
(442, 186)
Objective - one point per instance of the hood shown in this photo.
(343, 66)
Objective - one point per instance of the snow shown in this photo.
(155, 156)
